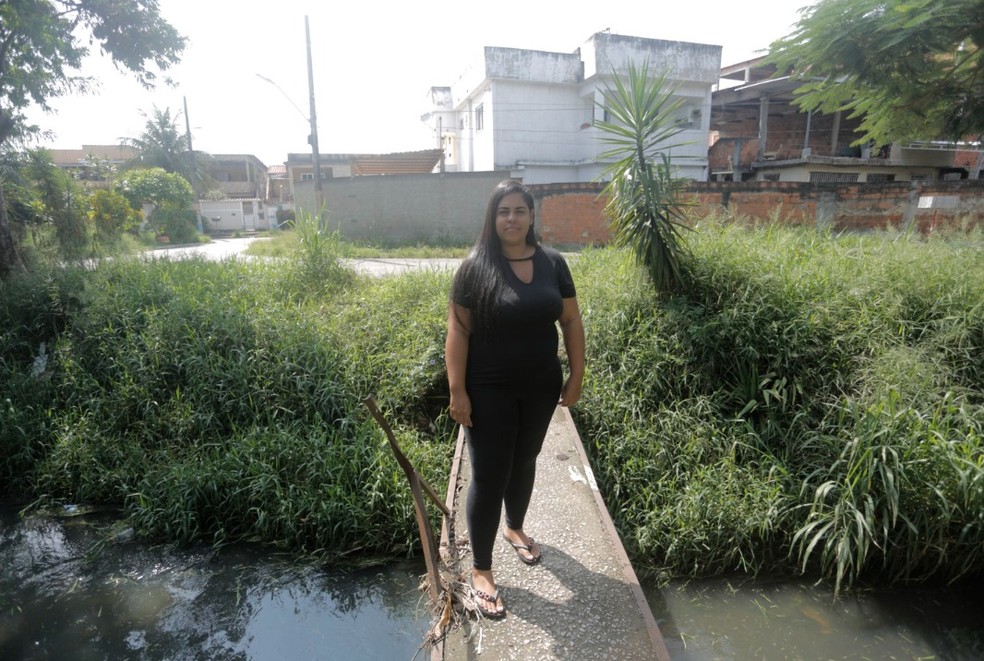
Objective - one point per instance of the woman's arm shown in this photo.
(573, 330)
(456, 359)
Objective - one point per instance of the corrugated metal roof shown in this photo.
(407, 162)
(416, 162)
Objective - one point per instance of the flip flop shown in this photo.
(479, 598)
(523, 547)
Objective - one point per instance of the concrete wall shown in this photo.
(683, 61)
(405, 208)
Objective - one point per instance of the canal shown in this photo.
(68, 593)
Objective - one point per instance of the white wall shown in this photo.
(234, 215)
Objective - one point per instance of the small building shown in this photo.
(229, 216)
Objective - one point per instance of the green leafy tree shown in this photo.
(645, 208)
(111, 215)
(162, 145)
(169, 193)
(910, 69)
(42, 46)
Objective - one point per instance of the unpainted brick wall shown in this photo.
(573, 214)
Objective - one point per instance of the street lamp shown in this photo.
(312, 120)
(286, 96)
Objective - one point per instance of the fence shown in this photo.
(451, 207)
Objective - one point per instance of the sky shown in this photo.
(373, 64)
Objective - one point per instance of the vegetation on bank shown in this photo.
(814, 403)
(287, 244)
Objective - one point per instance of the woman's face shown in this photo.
(513, 219)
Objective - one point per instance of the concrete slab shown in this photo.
(583, 601)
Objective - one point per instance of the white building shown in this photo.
(533, 112)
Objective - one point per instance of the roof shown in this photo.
(113, 153)
(412, 162)
(236, 158)
(407, 162)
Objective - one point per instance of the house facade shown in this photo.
(93, 165)
(533, 113)
(759, 134)
(238, 176)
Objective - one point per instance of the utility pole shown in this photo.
(313, 138)
(187, 124)
(191, 161)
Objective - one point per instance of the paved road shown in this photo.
(219, 249)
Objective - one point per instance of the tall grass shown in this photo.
(816, 404)
(213, 401)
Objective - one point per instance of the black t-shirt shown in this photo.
(523, 339)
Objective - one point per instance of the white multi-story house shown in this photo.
(533, 113)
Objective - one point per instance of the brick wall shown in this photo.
(573, 214)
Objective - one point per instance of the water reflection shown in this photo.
(759, 619)
(133, 602)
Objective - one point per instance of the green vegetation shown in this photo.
(44, 45)
(287, 243)
(644, 206)
(816, 403)
(221, 401)
(910, 69)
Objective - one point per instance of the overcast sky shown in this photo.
(373, 64)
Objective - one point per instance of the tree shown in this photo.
(644, 205)
(111, 214)
(42, 45)
(910, 69)
(162, 145)
(171, 195)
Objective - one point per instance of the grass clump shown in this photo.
(287, 243)
(212, 401)
(817, 404)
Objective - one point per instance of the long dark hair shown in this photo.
(481, 276)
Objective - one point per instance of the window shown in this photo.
(880, 178)
(834, 177)
(771, 177)
(326, 173)
(479, 117)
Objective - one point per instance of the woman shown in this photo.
(504, 373)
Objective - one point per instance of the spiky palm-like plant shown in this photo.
(645, 206)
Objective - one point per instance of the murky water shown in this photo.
(130, 601)
(60, 600)
(741, 619)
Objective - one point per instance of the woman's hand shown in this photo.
(571, 392)
(461, 408)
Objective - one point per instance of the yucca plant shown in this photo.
(645, 205)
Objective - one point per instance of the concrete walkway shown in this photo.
(583, 601)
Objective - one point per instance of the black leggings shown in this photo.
(509, 423)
